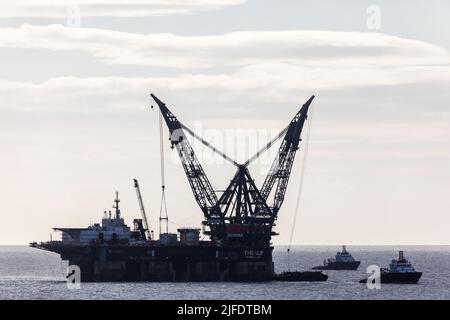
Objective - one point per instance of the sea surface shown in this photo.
(27, 273)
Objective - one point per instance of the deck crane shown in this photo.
(241, 215)
(146, 230)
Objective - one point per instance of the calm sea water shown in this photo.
(27, 273)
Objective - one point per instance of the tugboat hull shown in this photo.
(398, 277)
(351, 265)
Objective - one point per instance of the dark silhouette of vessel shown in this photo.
(399, 271)
(342, 261)
(238, 222)
(112, 251)
(297, 276)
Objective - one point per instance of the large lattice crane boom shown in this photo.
(280, 170)
(201, 187)
(241, 214)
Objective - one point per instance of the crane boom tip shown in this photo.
(159, 102)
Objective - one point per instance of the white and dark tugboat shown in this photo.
(399, 271)
(342, 261)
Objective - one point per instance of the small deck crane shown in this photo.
(141, 206)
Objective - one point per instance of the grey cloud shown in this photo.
(108, 8)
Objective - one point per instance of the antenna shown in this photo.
(116, 206)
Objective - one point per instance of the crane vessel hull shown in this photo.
(147, 262)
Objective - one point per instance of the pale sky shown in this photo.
(76, 124)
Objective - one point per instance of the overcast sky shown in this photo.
(76, 124)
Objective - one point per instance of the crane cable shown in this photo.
(223, 155)
(163, 208)
(302, 175)
(207, 144)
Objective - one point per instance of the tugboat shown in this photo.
(342, 261)
(300, 276)
(399, 271)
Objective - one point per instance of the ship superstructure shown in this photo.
(401, 265)
(112, 229)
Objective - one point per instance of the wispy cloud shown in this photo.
(109, 8)
(276, 63)
(300, 48)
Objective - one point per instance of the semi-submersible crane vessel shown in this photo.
(239, 223)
